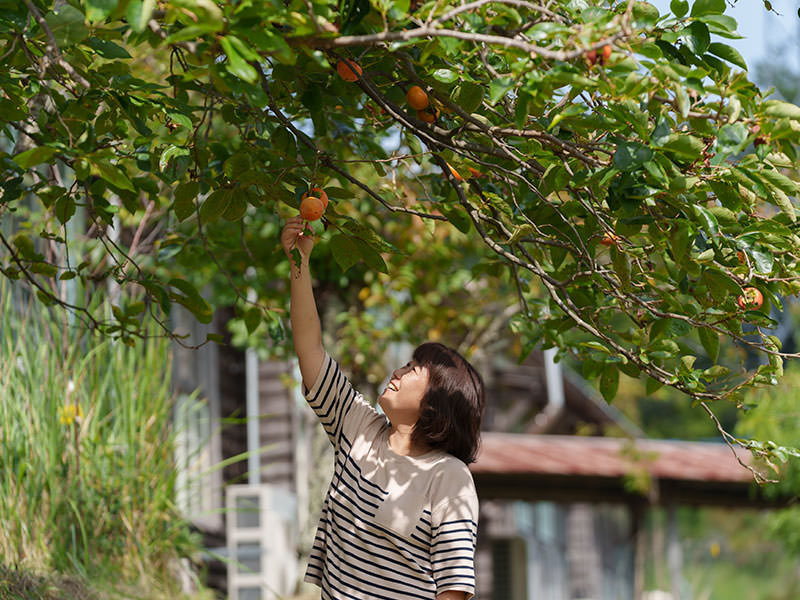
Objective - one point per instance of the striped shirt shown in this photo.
(392, 527)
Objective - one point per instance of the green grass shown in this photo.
(731, 578)
(87, 474)
(727, 553)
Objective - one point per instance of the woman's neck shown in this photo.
(401, 443)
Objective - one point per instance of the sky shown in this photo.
(760, 28)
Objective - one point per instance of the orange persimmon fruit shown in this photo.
(751, 299)
(348, 70)
(318, 192)
(311, 208)
(455, 173)
(417, 98)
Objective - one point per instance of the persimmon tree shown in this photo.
(622, 172)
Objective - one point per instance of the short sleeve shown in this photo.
(454, 529)
(337, 405)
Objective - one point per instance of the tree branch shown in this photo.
(52, 48)
(403, 36)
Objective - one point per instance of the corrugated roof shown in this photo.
(519, 454)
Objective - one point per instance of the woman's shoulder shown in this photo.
(451, 476)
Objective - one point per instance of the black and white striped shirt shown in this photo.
(392, 526)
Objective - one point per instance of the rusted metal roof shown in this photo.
(608, 457)
(599, 469)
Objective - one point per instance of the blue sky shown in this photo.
(760, 28)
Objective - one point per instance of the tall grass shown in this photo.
(87, 471)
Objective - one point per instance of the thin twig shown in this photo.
(52, 48)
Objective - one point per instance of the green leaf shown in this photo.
(728, 53)
(345, 251)
(732, 138)
(276, 46)
(707, 218)
(185, 194)
(622, 267)
(252, 319)
(34, 156)
(609, 382)
(65, 208)
(498, 88)
(521, 110)
(630, 155)
(780, 109)
(236, 208)
(679, 8)
(283, 141)
(236, 65)
(138, 13)
(12, 111)
(215, 205)
(99, 10)
(682, 99)
(644, 14)
(779, 180)
(456, 215)
(696, 37)
(170, 153)
(245, 51)
(651, 386)
(723, 25)
(352, 12)
(710, 340)
(708, 7)
(785, 204)
(67, 24)
(445, 75)
(763, 259)
(180, 119)
(237, 164)
(684, 145)
(108, 49)
(191, 299)
(112, 174)
(192, 32)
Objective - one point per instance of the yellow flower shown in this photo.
(68, 413)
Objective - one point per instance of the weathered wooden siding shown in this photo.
(277, 427)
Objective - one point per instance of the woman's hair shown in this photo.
(452, 408)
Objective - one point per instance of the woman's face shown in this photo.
(401, 399)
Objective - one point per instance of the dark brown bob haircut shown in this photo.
(452, 408)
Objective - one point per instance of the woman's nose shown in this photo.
(398, 373)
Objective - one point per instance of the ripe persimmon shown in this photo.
(751, 299)
(311, 208)
(427, 116)
(593, 57)
(417, 98)
(455, 173)
(609, 239)
(318, 192)
(348, 70)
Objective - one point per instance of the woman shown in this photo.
(400, 516)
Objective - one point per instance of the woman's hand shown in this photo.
(296, 235)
